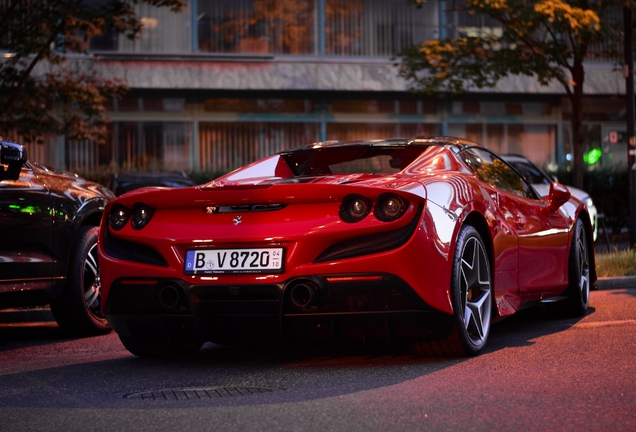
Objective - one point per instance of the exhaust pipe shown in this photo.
(169, 296)
(305, 295)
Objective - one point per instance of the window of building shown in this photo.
(39, 150)
(500, 108)
(460, 23)
(382, 106)
(364, 131)
(149, 104)
(127, 103)
(595, 109)
(376, 28)
(236, 105)
(163, 32)
(85, 155)
(257, 26)
(364, 106)
(152, 146)
(224, 147)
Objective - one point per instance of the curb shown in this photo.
(616, 282)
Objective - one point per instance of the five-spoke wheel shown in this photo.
(471, 297)
(578, 291)
(472, 292)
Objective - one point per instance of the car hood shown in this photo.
(64, 183)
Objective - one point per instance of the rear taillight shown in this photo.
(389, 207)
(354, 208)
(141, 215)
(118, 216)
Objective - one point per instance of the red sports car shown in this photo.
(427, 240)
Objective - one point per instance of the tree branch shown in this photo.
(13, 95)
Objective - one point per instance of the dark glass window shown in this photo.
(497, 173)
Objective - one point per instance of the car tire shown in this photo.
(78, 310)
(158, 351)
(471, 298)
(578, 291)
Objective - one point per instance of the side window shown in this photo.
(494, 171)
(531, 173)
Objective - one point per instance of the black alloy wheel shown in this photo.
(578, 291)
(78, 310)
(472, 300)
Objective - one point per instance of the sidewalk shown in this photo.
(616, 282)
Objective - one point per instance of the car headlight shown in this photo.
(389, 207)
(141, 215)
(118, 216)
(588, 202)
(354, 208)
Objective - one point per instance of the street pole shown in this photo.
(629, 113)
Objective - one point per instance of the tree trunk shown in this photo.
(576, 100)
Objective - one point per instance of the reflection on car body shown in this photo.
(427, 240)
(541, 181)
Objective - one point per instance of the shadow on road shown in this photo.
(24, 334)
(526, 325)
(100, 372)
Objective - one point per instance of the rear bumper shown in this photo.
(170, 311)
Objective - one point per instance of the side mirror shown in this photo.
(12, 157)
(558, 196)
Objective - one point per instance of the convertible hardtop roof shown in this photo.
(458, 143)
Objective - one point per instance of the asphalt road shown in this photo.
(539, 373)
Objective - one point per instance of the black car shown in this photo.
(125, 182)
(49, 223)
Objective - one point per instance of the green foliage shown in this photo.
(616, 263)
(39, 95)
(543, 39)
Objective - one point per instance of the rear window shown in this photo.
(352, 159)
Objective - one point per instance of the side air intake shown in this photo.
(370, 244)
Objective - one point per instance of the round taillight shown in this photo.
(389, 207)
(118, 216)
(354, 208)
(141, 215)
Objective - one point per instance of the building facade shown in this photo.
(226, 82)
